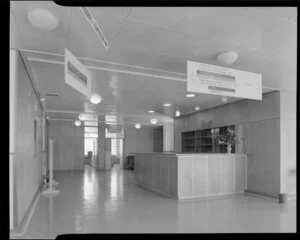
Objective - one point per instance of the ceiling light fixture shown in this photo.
(82, 117)
(190, 95)
(137, 126)
(95, 98)
(150, 111)
(227, 57)
(167, 104)
(77, 123)
(43, 19)
(42, 99)
(224, 99)
(153, 121)
(177, 113)
(197, 108)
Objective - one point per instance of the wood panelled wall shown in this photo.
(288, 141)
(68, 149)
(259, 122)
(138, 140)
(27, 170)
(158, 139)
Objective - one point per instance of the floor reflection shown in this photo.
(90, 189)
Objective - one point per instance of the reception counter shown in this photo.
(191, 176)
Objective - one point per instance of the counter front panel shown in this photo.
(188, 176)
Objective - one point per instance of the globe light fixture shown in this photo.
(95, 98)
(137, 126)
(82, 117)
(177, 113)
(153, 121)
(77, 123)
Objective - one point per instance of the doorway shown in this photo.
(117, 160)
(90, 145)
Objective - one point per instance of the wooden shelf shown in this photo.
(203, 141)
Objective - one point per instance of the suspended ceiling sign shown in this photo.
(109, 134)
(76, 74)
(210, 79)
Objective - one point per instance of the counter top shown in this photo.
(182, 154)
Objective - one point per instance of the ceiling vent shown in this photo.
(52, 94)
(95, 26)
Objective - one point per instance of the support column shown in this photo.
(168, 137)
(101, 148)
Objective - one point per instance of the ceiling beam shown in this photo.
(181, 79)
(111, 69)
(104, 62)
(103, 114)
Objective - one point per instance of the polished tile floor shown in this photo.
(109, 202)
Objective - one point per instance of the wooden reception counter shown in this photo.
(191, 176)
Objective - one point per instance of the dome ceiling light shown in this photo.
(77, 123)
(224, 99)
(227, 57)
(153, 121)
(137, 126)
(197, 108)
(167, 104)
(95, 98)
(42, 19)
(150, 111)
(190, 95)
(177, 113)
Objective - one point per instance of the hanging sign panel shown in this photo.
(210, 79)
(76, 74)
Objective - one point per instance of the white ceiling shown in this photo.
(156, 38)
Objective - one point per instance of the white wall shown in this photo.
(138, 140)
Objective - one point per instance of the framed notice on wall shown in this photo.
(210, 79)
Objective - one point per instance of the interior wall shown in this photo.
(68, 147)
(259, 122)
(138, 140)
(28, 162)
(288, 141)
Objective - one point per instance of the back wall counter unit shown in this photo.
(191, 175)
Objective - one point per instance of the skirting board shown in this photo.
(208, 197)
(21, 229)
(214, 196)
(156, 191)
(261, 195)
(68, 170)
